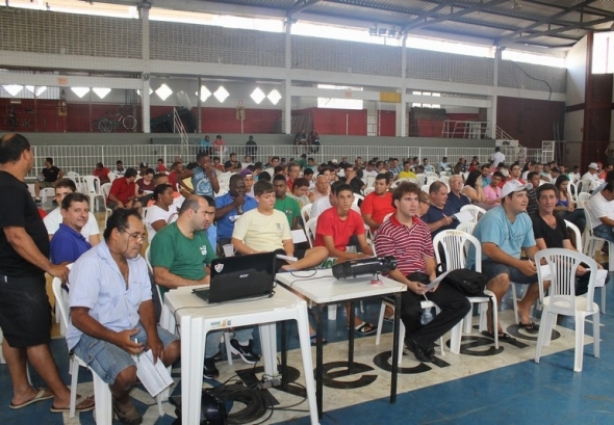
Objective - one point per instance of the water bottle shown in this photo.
(427, 316)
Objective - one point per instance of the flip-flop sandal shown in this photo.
(360, 329)
(130, 416)
(389, 318)
(80, 400)
(530, 327)
(314, 340)
(40, 396)
(502, 336)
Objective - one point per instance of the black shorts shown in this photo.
(25, 313)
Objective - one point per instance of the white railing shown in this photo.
(465, 129)
(83, 159)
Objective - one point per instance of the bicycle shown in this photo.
(32, 121)
(110, 121)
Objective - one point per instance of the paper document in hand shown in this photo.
(155, 377)
(464, 216)
(438, 280)
(298, 236)
(600, 278)
(545, 271)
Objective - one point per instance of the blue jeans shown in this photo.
(604, 231)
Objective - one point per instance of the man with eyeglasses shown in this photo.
(112, 313)
(180, 255)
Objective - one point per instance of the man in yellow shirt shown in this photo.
(406, 173)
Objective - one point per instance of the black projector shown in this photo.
(372, 266)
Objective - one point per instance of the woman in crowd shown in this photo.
(565, 207)
(159, 213)
(474, 190)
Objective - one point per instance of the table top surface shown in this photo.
(182, 302)
(322, 287)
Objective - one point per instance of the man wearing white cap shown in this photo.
(503, 232)
(592, 174)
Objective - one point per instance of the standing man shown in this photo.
(180, 256)
(112, 313)
(251, 148)
(286, 204)
(25, 313)
(406, 237)
(229, 207)
(68, 244)
(50, 175)
(497, 157)
(503, 232)
(204, 178)
(377, 204)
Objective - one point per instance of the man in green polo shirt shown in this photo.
(180, 254)
(286, 204)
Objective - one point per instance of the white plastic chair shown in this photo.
(591, 243)
(370, 182)
(93, 190)
(561, 299)
(425, 188)
(583, 198)
(369, 190)
(476, 212)
(310, 230)
(572, 191)
(47, 192)
(467, 227)
(112, 176)
(455, 244)
(305, 210)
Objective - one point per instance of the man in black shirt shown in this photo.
(25, 313)
(251, 148)
(50, 175)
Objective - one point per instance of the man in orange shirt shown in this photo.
(377, 204)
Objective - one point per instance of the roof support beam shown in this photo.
(301, 5)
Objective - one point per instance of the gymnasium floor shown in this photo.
(501, 388)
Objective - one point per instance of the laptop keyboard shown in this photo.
(203, 294)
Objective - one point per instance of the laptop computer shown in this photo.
(234, 278)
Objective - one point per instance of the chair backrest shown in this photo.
(587, 214)
(467, 227)
(578, 235)
(305, 210)
(147, 259)
(583, 198)
(387, 216)
(92, 185)
(572, 191)
(72, 175)
(310, 230)
(105, 189)
(585, 185)
(455, 246)
(425, 188)
(421, 178)
(561, 272)
(370, 181)
(369, 190)
(61, 300)
(112, 176)
(172, 218)
(476, 212)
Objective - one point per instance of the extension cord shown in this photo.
(269, 383)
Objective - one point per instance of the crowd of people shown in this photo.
(189, 215)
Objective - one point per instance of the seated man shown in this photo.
(102, 173)
(180, 254)
(440, 215)
(551, 232)
(49, 175)
(90, 230)
(285, 204)
(230, 207)
(300, 192)
(336, 227)
(456, 200)
(107, 334)
(322, 187)
(503, 231)
(123, 193)
(68, 244)
(264, 229)
(377, 204)
(601, 212)
(406, 173)
(408, 239)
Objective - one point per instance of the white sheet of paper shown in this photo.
(438, 280)
(155, 377)
(463, 216)
(545, 270)
(600, 278)
(298, 236)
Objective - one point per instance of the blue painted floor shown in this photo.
(525, 393)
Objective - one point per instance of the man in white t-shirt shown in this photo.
(601, 212)
(591, 174)
(497, 157)
(52, 221)
(265, 229)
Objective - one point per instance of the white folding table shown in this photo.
(196, 317)
(322, 288)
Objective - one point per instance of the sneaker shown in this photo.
(209, 370)
(244, 351)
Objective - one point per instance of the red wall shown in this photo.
(387, 123)
(530, 121)
(343, 122)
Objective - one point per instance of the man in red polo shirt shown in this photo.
(102, 173)
(124, 191)
(408, 239)
(377, 204)
(336, 227)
